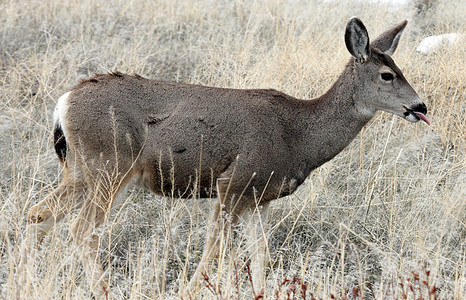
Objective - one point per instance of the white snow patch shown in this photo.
(390, 3)
(436, 42)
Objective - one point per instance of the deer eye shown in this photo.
(387, 76)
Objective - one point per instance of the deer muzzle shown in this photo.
(416, 113)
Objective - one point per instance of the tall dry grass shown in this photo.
(390, 205)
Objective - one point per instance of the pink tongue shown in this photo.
(422, 117)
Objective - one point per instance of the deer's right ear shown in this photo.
(357, 40)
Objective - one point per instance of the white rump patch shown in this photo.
(60, 111)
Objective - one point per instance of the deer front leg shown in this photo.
(216, 234)
(222, 220)
(256, 229)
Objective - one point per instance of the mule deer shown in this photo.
(246, 146)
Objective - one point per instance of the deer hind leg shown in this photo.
(83, 231)
(42, 217)
(104, 191)
(255, 231)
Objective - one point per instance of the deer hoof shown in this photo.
(38, 214)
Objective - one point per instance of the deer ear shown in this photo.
(357, 40)
(388, 41)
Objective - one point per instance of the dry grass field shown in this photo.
(385, 219)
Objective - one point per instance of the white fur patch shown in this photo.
(411, 118)
(60, 111)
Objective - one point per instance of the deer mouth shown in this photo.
(417, 113)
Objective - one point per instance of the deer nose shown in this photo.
(422, 108)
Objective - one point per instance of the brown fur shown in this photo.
(247, 146)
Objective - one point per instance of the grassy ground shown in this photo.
(389, 208)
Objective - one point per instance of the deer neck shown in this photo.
(333, 120)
